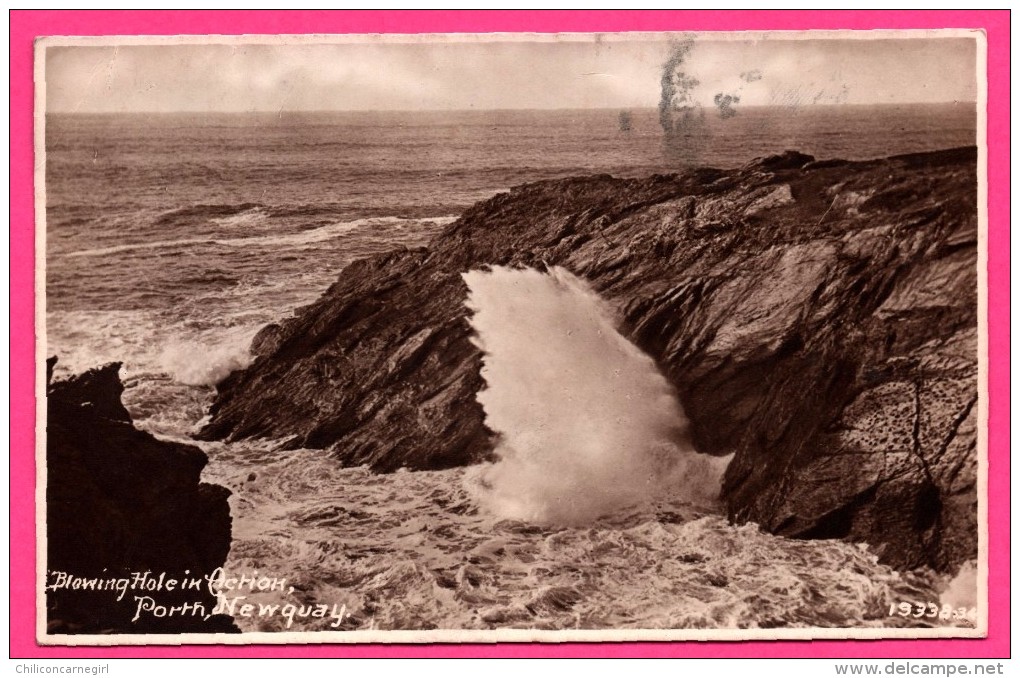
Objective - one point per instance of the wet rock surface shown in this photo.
(118, 502)
(817, 318)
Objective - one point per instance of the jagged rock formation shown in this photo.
(819, 319)
(119, 501)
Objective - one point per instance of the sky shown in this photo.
(482, 74)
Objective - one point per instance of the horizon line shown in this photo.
(498, 110)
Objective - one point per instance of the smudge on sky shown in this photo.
(611, 72)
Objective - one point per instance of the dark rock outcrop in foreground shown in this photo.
(120, 501)
(817, 318)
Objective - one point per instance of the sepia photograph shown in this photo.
(511, 337)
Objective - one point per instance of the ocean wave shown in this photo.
(588, 424)
(85, 339)
(418, 551)
(210, 212)
(149, 345)
(206, 363)
(250, 217)
(299, 239)
(961, 590)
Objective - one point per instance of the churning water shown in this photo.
(172, 239)
(587, 423)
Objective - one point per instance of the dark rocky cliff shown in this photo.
(120, 501)
(817, 318)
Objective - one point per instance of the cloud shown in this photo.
(482, 74)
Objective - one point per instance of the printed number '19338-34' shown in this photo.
(929, 610)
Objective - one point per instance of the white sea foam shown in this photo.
(415, 551)
(206, 363)
(961, 590)
(147, 343)
(299, 239)
(250, 217)
(588, 425)
(82, 340)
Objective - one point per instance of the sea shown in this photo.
(171, 239)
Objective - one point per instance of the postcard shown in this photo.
(515, 337)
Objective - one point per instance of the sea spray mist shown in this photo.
(586, 422)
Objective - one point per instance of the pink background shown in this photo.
(26, 25)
